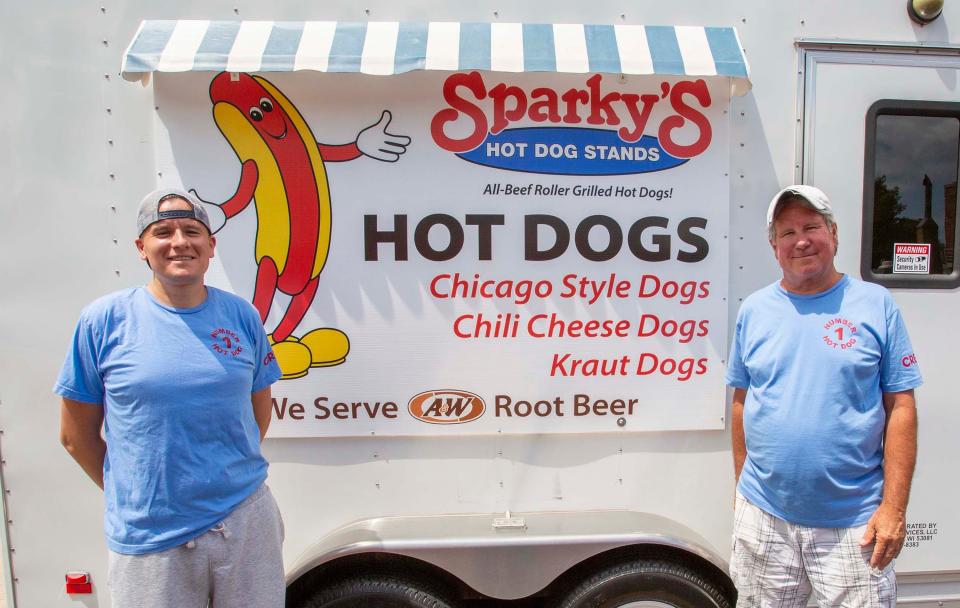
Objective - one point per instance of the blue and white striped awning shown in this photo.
(389, 47)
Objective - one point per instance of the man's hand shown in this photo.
(888, 529)
(376, 142)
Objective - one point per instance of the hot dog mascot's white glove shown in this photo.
(376, 142)
(217, 217)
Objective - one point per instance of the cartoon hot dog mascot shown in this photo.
(283, 172)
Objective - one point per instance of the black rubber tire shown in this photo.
(646, 580)
(377, 592)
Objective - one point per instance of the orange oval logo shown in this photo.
(446, 407)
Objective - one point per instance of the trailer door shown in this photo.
(879, 132)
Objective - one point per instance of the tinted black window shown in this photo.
(910, 194)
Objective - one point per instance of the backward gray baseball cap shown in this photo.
(149, 212)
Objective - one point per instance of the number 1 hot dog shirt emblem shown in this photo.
(283, 174)
(841, 333)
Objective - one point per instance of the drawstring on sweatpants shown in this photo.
(220, 527)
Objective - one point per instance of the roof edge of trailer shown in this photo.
(391, 47)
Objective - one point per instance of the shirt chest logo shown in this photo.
(841, 333)
(225, 342)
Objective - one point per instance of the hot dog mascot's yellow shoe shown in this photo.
(328, 346)
(293, 358)
(283, 172)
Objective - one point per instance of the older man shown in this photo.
(824, 424)
(178, 376)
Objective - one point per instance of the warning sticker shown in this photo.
(912, 258)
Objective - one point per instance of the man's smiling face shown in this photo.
(177, 250)
(804, 245)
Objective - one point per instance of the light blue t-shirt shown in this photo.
(183, 447)
(815, 368)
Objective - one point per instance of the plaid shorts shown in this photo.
(776, 563)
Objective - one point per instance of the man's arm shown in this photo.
(888, 525)
(261, 409)
(736, 432)
(80, 434)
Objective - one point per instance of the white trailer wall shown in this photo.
(77, 153)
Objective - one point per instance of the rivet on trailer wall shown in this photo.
(924, 11)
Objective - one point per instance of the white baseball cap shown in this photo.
(814, 197)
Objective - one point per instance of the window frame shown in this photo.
(900, 107)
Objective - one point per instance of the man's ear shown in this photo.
(213, 246)
(142, 253)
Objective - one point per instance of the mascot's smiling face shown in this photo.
(252, 100)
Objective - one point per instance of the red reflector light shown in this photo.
(78, 582)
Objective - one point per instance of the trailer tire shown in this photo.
(377, 592)
(652, 581)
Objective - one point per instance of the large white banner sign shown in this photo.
(454, 253)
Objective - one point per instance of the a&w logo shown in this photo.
(446, 406)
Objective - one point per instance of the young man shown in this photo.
(824, 424)
(178, 376)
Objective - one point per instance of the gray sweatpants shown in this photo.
(236, 563)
